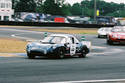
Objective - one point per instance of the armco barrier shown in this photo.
(53, 24)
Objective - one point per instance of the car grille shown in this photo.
(37, 52)
(121, 39)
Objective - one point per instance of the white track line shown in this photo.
(26, 38)
(91, 81)
(21, 30)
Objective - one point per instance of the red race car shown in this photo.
(117, 35)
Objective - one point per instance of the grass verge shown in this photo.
(12, 45)
(69, 31)
(7, 55)
(15, 26)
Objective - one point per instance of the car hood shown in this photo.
(119, 35)
(104, 32)
(40, 45)
(45, 46)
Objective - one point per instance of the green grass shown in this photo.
(12, 45)
(69, 31)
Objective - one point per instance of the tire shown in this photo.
(109, 42)
(60, 53)
(30, 56)
(82, 56)
(84, 52)
(99, 36)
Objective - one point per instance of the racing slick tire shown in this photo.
(60, 53)
(82, 56)
(85, 51)
(109, 42)
(30, 56)
(99, 36)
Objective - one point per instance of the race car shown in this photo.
(102, 32)
(117, 35)
(59, 46)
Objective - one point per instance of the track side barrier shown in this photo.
(53, 24)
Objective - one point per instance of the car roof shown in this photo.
(62, 35)
(105, 28)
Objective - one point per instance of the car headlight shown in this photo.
(54, 47)
(114, 36)
(28, 46)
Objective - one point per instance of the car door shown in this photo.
(72, 46)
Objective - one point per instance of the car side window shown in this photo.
(76, 40)
(63, 40)
(57, 39)
(71, 40)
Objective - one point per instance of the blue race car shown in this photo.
(57, 45)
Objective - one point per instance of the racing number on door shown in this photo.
(72, 46)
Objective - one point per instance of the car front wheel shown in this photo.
(30, 56)
(60, 53)
(82, 55)
(99, 36)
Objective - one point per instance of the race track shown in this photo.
(104, 62)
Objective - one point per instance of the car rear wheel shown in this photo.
(85, 51)
(30, 56)
(82, 56)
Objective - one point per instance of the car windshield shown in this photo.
(108, 29)
(105, 29)
(54, 40)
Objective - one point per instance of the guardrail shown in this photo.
(53, 24)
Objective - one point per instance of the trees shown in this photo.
(25, 6)
(66, 9)
(56, 7)
(59, 7)
(50, 7)
(87, 8)
(105, 8)
(76, 9)
(14, 2)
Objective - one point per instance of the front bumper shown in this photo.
(102, 35)
(41, 52)
(117, 40)
(37, 53)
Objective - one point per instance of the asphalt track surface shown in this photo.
(105, 63)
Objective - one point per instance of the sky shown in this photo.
(78, 1)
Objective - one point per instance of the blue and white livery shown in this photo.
(59, 46)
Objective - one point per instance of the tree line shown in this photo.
(59, 7)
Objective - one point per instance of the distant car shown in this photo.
(57, 45)
(102, 32)
(119, 27)
(117, 35)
